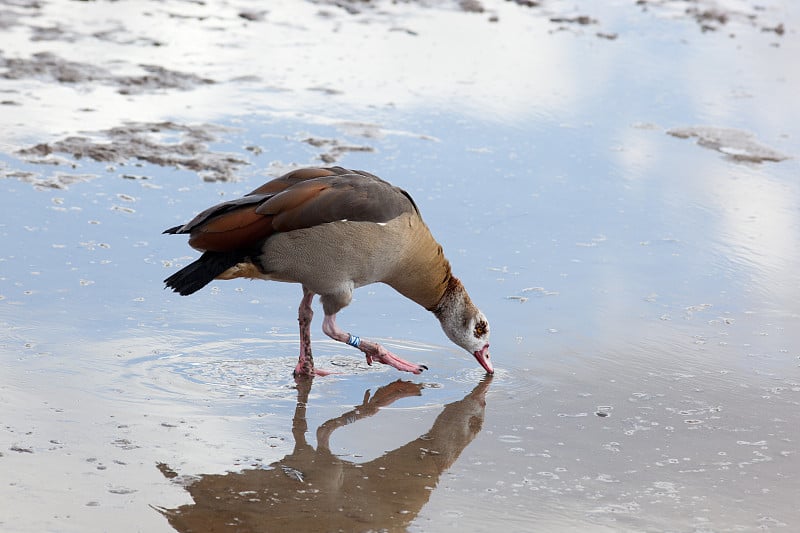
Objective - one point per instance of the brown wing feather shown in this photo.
(235, 224)
(300, 199)
(321, 205)
(351, 196)
(294, 196)
(233, 230)
(287, 180)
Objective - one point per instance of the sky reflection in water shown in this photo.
(642, 288)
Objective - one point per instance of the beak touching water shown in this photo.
(482, 356)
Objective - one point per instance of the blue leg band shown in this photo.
(354, 341)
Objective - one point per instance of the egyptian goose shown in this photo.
(333, 230)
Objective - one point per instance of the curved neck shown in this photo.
(423, 275)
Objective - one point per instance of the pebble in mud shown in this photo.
(604, 411)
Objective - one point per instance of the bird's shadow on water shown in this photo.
(315, 490)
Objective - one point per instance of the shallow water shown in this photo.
(641, 285)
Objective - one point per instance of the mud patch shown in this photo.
(335, 148)
(8, 19)
(158, 78)
(583, 20)
(46, 66)
(57, 180)
(712, 17)
(253, 15)
(53, 33)
(146, 142)
(709, 15)
(736, 144)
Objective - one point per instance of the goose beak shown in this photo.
(482, 356)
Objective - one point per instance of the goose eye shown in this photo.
(480, 329)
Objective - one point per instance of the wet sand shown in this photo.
(616, 186)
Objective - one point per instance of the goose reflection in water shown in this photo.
(314, 490)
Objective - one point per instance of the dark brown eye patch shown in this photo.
(480, 329)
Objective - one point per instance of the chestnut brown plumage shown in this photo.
(333, 230)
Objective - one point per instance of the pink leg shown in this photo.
(305, 364)
(373, 350)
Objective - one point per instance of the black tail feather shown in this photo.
(173, 231)
(198, 274)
